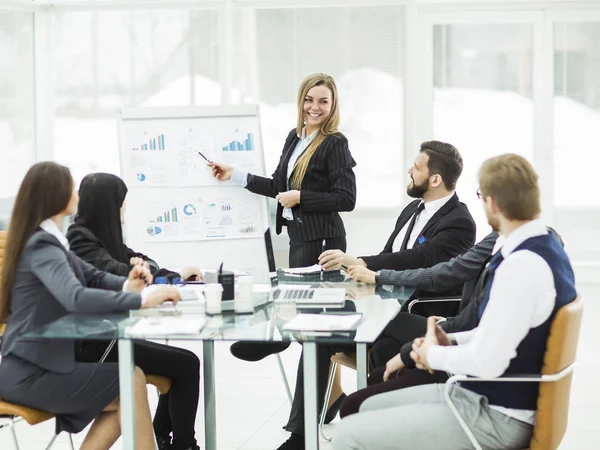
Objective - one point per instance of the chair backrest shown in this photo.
(553, 399)
(2, 246)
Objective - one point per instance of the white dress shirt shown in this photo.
(50, 226)
(522, 297)
(241, 178)
(430, 209)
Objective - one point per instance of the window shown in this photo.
(576, 111)
(576, 137)
(17, 110)
(483, 97)
(363, 49)
(110, 59)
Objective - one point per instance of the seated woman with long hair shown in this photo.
(96, 237)
(41, 282)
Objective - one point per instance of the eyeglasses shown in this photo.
(479, 193)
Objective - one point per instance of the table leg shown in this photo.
(361, 365)
(210, 412)
(311, 409)
(127, 392)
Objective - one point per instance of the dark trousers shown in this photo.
(306, 253)
(324, 353)
(176, 411)
(404, 379)
(400, 330)
(303, 254)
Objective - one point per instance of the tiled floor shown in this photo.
(252, 405)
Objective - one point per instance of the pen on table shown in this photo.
(207, 160)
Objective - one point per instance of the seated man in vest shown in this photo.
(528, 281)
(431, 229)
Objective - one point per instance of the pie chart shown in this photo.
(189, 210)
(153, 230)
(141, 177)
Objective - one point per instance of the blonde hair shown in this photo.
(329, 127)
(513, 183)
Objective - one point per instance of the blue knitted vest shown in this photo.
(530, 352)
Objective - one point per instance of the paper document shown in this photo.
(188, 292)
(162, 326)
(304, 270)
(323, 322)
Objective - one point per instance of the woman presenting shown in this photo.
(313, 182)
(314, 179)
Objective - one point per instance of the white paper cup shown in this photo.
(243, 294)
(213, 294)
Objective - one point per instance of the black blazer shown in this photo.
(87, 246)
(329, 187)
(450, 232)
(51, 282)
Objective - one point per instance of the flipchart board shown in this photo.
(176, 211)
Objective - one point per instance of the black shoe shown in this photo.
(255, 351)
(193, 447)
(164, 443)
(295, 442)
(333, 410)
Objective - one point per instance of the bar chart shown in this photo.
(168, 216)
(237, 146)
(155, 143)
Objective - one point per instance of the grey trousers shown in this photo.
(419, 418)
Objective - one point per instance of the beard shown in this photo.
(417, 190)
(493, 222)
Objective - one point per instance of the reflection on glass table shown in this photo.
(376, 305)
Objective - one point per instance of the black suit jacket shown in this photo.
(450, 232)
(329, 187)
(87, 246)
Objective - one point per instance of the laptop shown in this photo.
(302, 296)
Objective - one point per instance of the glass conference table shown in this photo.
(376, 304)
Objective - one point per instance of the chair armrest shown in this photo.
(534, 377)
(517, 377)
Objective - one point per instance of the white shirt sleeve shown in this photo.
(240, 178)
(522, 297)
(143, 294)
(462, 337)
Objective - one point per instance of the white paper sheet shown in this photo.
(162, 326)
(323, 322)
(304, 270)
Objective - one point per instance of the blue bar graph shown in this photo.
(237, 146)
(155, 143)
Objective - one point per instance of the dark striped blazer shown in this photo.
(445, 275)
(329, 187)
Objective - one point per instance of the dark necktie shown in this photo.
(411, 225)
